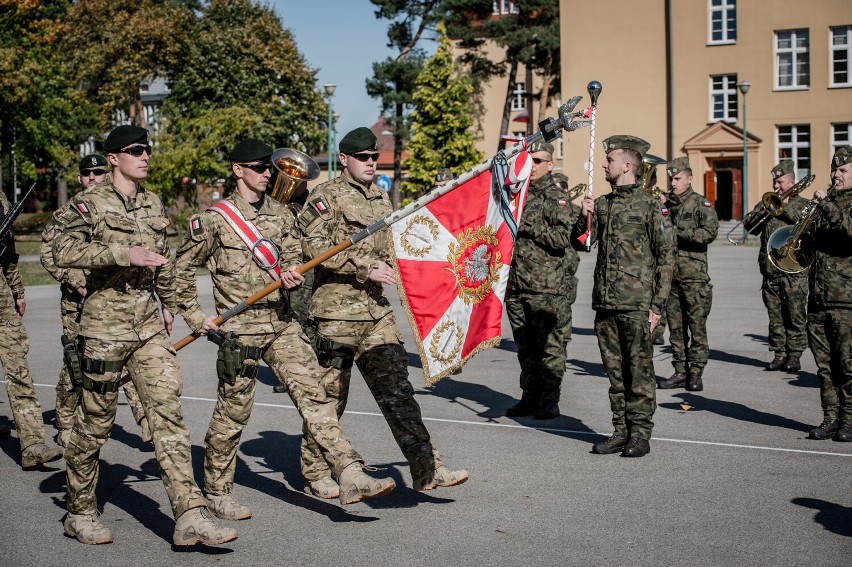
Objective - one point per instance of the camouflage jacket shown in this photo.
(543, 259)
(11, 285)
(635, 250)
(335, 211)
(831, 273)
(210, 241)
(792, 213)
(695, 226)
(95, 233)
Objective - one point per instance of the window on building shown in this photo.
(794, 142)
(723, 21)
(504, 7)
(723, 98)
(841, 56)
(792, 61)
(841, 135)
(519, 97)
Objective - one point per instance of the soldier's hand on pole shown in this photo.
(140, 256)
(588, 205)
(168, 319)
(383, 274)
(209, 325)
(291, 278)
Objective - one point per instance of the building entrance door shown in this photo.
(727, 191)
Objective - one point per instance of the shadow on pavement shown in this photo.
(723, 356)
(736, 411)
(833, 517)
(804, 380)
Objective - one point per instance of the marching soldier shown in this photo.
(245, 240)
(355, 321)
(116, 231)
(695, 226)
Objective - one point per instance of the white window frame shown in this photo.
(841, 135)
(796, 53)
(729, 95)
(724, 7)
(796, 149)
(519, 97)
(840, 51)
(504, 8)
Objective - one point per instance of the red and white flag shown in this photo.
(452, 263)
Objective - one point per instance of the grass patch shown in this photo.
(33, 273)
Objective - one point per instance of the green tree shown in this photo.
(441, 122)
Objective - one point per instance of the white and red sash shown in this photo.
(263, 250)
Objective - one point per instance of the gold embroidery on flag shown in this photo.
(473, 264)
(414, 241)
(448, 336)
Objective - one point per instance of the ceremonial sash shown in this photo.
(263, 250)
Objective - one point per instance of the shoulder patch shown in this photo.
(665, 211)
(562, 203)
(707, 203)
(314, 209)
(196, 228)
(319, 204)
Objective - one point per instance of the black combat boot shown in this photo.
(826, 429)
(677, 380)
(636, 448)
(844, 434)
(522, 408)
(778, 362)
(792, 364)
(612, 445)
(694, 383)
(547, 410)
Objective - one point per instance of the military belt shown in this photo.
(93, 366)
(100, 387)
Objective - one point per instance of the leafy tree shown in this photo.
(442, 120)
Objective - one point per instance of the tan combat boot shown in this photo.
(323, 488)
(86, 528)
(225, 507)
(38, 454)
(147, 437)
(442, 476)
(355, 484)
(197, 526)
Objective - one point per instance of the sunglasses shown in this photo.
(257, 167)
(88, 172)
(366, 157)
(538, 160)
(135, 151)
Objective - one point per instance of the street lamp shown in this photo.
(334, 118)
(744, 86)
(332, 158)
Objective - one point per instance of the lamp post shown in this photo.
(744, 86)
(332, 158)
(334, 118)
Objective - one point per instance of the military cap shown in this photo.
(92, 160)
(784, 167)
(444, 175)
(677, 165)
(541, 146)
(359, 139)
(250, 150)
(626, 142)
(842, 156)
(122, 136)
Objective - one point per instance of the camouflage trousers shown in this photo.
(624, 339)
(154, 369)
(688, 307)
(538, 323)
(67, 398)
(376, 347)
(26, 410)
(294, 362)
(830, 340)
(786, 301)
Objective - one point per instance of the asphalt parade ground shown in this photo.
(731, 478)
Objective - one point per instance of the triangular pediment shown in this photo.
(720, 136)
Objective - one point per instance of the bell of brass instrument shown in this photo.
(576, 191)
(293, 167)
(772, 205)
(649, 166)
(790, 248)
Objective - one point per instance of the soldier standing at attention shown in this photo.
(695, 226)
(830, 302)
(632, 279)
(537, 295)
(14, 344)
(239, 240)
(116, 231)
(72, 288)
(355, 321)
(784, 295)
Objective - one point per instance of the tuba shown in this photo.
(772, 205)
(293, 167)
(649, 166)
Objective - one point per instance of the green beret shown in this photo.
(359, 139)
(444, 175)
(92, 160)
(250, 150)
(677, 165)
(122, 136)
(784, 167)
(841, 157)
(626, 142)
(541, 146)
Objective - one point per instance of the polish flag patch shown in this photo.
(320, 205)
(196, 224)
(83, 208)
(562, 203)
(665, 211)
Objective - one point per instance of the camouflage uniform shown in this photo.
(632, 276)
(541, 289)
(355, 321)
(121, 327)
(266, 325)
(695, 226)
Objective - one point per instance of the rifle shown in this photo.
(9, 219)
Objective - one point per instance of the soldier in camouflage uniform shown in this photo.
(830, 302)
(265, 330)
(632, 278)
(784, 295)
(664, 319)
(116, 231)
(537, 294)
(355, 321)
(695, 226)
(14, 344)
(574, 263)
(72, 287)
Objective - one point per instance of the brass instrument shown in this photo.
(576, 191)
(649, 166)
(790, 248)
(293, 167)
(772, 205)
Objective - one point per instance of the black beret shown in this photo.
(122, 136)
(92, 160)
(250, 150)
(358, 139)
